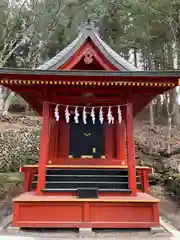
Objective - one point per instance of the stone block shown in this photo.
(85, 232)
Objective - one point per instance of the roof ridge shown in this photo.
(88, 30)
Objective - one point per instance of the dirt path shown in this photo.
(169, 207)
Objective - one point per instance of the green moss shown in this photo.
(11, 177)
(176, 175)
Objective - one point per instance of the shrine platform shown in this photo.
(31, 211)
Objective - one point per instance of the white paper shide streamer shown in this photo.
(84, 116)
(56, 112)
(93, 115)
(110, 116)
(91, 111)
(101, 117)
(67, 114)
(76, 116)
(119, 114)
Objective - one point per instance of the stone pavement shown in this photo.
(3, 237)
(104, 234)
(166, 232)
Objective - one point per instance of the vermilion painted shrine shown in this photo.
(87, 175)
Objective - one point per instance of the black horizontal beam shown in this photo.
(24, 72)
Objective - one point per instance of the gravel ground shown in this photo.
(84, 238)
(169, 208)
(96, 234)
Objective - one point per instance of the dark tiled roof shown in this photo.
(88, 31)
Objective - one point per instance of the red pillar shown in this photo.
(146, 182)
(122, 141)
(44, 149)
(120, 134)
(130, 150)
(108, 140)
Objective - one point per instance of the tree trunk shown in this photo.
(149, 51)
(174, 108)
(135, 57)
(169, 134)
(158, 109)
(1, 100)
(170, 114)
(174, 103)
(151, 114)
(8, 102)
(27, 108)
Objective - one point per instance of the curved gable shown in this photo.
(88, 57)
(88, 40)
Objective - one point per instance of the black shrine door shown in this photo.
(86, 140)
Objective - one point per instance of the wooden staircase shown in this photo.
(73, 180)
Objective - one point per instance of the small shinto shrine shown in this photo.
(87, 176)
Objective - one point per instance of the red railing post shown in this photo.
(44, 149)
(130, 150)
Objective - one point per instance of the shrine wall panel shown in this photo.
(49, 211)
(75, 214)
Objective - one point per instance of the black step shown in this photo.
(92, 178)
(75, 190)
(99, 185)
(86, 172)
(70, 186)
(105, 180)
